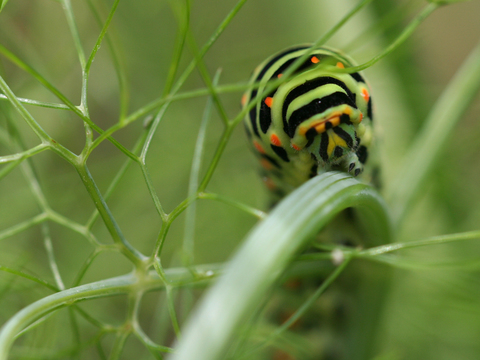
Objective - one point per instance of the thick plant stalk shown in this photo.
(266, 253)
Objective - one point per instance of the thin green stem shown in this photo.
(146, 341)
(188, 238)
(90, 318)
(118, 64)
(24, 154)
(171, 310)
(67, 6)
(302, 309)
(436, 240)
(27, 68)
(37, 129)
(394, 18)
(124, 331)
(237, 204)
(24, 225)
(183, 20)
(316, 256)
(324, 38)
(400, 262)
(74, 226)
(102, 34)
(160, 240)
(406, 33)
(75, 330)
(118, 176)
(77, 110)
(155, 104)
(99, 347)
(102, 207)
(166, 226)
(96, 47)
(207, 79)
(227, 132)
(168, 290)
(86, 264)
(160, 102)
(8, 168)
(119, 343)
(143, 161)
(216, 34)
(47, 241)
(187, 73)
(39, 103)
(29, 277)
(34, 185)
(314, 297)
(153, 347)
(34, 325)
(152, 191)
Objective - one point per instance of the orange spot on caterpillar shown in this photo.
(258, 147)
(244, 99)
(340, 65)
(360, 118)
(275, 140)
(365, 94)
(314, 60)
(296, 147)
(269, 101)
(279, 75)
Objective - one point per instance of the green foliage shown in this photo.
(107, 166)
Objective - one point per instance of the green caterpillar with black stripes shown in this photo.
(318, 119)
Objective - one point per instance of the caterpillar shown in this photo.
(318, 119)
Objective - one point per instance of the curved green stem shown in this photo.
(43, 306)
(126, 284)
(266, 253)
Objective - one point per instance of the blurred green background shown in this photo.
(430, 314)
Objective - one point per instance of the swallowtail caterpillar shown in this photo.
(319, 119)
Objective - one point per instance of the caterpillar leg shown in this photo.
(353, 164)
